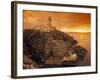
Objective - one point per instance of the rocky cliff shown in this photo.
(51, 48)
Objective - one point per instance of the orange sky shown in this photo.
(64, 21)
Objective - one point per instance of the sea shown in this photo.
(84, 40)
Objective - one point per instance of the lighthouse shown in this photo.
(49, 20)
(50, 23)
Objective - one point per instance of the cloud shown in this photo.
(62, 20)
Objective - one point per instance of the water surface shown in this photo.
(84, 40)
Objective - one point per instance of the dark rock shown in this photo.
(50, 49)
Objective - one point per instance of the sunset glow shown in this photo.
(75, 30)
(63, 21)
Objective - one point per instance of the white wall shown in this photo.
(5, 40)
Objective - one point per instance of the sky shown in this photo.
(64, 21)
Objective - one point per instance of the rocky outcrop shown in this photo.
(50, 49)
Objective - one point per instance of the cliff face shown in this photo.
(51, 48)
